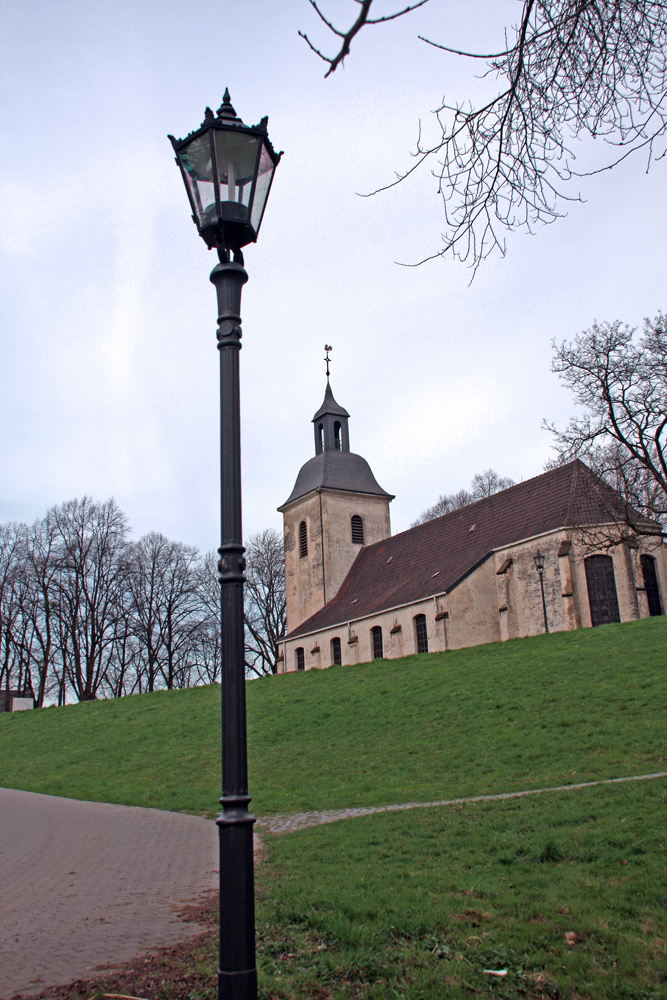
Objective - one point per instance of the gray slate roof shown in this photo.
(330, 405)
(336, 470)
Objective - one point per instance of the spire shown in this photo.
(331, 432)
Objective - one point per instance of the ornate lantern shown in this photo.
(227, 168)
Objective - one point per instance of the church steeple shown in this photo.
(331, 431)
(335, 508)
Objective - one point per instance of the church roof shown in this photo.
(432, 558)
(336, 470)
(329, 405)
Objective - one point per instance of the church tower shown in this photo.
(335, 508)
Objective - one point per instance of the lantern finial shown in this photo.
(226, 110)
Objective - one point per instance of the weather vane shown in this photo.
(327, 348)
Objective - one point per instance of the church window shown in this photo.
(376, 635)
(338, 444)
(651, 585)
(303, 540)
(320, 436)
(299, 658)
(336, 656)
(421, 634)
(357, 530)
(601, 590)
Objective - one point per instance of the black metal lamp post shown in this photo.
(227, 168)
(539, 566)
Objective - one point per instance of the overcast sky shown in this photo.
(109, 379)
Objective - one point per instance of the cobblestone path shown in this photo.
(291, 822)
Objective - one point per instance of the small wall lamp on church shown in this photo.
(356, 593)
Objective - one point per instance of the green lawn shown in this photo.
(532, 712)
(418, 904)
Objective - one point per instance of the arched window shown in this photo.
(320, 436)
(421, 635)
(601, 590)
(357, 530)
(338, 444)
(376, 636)
(299, 658)
(303, 540)
(336, 657)
(651, 585)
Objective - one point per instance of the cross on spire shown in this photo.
(327, 348)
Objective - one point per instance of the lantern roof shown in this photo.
(226, 117)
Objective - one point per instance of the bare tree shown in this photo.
(484, 484)
(41, 603)
(143, 581)
(621, 384)
(264, 601)
(91, 540)
(571, 68)
(163, 583)
(11, 579)
(84, 611)
(444, 505)
(208, 631)
(122, 674)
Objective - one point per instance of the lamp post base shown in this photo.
(237, 985)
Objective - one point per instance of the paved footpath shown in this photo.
(83, 884)
(291, 822)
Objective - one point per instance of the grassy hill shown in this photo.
(565, 893)
(548, 710)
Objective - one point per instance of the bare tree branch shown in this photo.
(595, 68)
(622, 434)
(347, 36)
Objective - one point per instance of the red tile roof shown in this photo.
(432, 558)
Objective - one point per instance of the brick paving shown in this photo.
(86, 884)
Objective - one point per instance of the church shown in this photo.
(544, 555)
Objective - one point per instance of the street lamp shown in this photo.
(539, 566)
(227, 168)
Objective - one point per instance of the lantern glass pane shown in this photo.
(236, 156)
(198, 169)
(264, 175)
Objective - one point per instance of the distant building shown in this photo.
(16, 701)
(356, 593)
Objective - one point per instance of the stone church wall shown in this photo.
(304, 579)
(313, 580)
(499, 600)
(338, 508)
